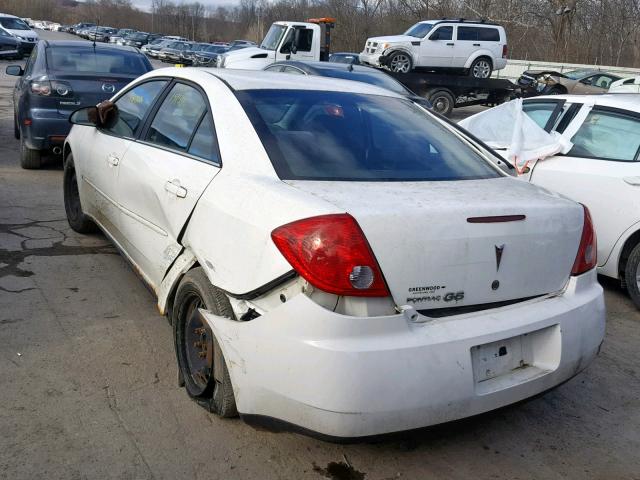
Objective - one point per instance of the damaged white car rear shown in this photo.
(333, 257)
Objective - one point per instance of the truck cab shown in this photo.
(305, 41)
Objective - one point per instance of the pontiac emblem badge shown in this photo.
(499, 250)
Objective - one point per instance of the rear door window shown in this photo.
(468, 33)
(204, 143)
(608, 135)
(177, 118)
(133, 107)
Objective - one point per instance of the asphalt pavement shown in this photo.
(88, 379)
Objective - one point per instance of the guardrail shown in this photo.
(515, 68)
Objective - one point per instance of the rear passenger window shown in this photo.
(607, 135)
(443, 33)
(467, 33)
(204, 144)
(177, 118)
(488, 34)
(133, 107)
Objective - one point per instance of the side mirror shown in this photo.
(87, 116)
(286, 48)
(14, 70)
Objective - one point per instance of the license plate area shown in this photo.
(515, 360)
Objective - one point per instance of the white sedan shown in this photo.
(601, 170)
(331, 255)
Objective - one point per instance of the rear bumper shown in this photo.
(48, 129)
(349, 377)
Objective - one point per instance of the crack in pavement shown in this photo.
(13, 258)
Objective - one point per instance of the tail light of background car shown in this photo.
(332, 254)
(44, 87)
(587, 257)
(505, 51)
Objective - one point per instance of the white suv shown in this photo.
(477, 48)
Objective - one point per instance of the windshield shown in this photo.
(419, 30)
(357, 137)
(215, 49)
(577, 74)
(86, 60)
(273, 37)
(13, 23)
(137, 36)
(372, 78)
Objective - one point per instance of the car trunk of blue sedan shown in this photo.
(72, 90)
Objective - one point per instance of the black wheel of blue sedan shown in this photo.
(30, 159)
(77, 219)
(16, 127)
(200, 359)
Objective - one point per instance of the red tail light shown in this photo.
(332, 254)
(587, 257)
(505, 51)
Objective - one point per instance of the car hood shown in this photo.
(539, 73)
(394, 39)
(23, 33)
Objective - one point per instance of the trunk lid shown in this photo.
(87, 90)
(435, 251)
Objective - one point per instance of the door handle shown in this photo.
(476, 44)
(451, 44)
(113, 160)
(174, 188)
(635, 181)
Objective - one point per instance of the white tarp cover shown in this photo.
(508, 127)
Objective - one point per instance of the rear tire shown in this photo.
(481, 68)
(194, 340)
(29, 159)
(632, 275)
(78, 221)
(442, 101)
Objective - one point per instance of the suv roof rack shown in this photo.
(466, 20)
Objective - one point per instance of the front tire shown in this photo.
(400, 62)
(16, 127)
(200, 359)
(78, 221)
(632, 275)
(29, 159)
(481, 68)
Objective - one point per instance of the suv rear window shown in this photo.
(317, 135)
(478, 34)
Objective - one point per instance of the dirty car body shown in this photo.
(550, 82)
(382, 273)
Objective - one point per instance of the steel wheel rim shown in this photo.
(198, 346)
(400, 63)
(481, 69)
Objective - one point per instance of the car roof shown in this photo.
(624, 101)
(260, 80)
(315, 65)
(89, 45)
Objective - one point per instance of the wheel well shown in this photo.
(485, 57)
(172, 292)
(629, 245)
(65, 153)
(408, 54)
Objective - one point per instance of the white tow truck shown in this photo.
(285, 40)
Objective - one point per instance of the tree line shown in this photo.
(602, 32)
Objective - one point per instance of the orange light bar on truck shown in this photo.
(322, 20)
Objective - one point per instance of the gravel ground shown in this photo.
(88, 380)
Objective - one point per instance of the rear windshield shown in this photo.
(316, 135)
(86, 60)
(13, 23)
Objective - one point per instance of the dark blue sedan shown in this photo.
(59, 78)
